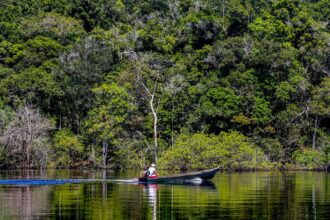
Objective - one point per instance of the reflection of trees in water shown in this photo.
(292, 195)
(99, 201)
(287, 195)
(188, 202)
(167, 201)
(151, 191)
(24, 202)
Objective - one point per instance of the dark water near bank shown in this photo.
(257, 195)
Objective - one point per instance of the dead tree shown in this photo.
(154, 109)
(23, 134)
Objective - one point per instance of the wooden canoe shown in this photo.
(204, 175)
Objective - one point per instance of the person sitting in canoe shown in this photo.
(151, 172)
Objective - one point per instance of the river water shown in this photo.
(248, 195)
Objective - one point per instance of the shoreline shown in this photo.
(325, 169)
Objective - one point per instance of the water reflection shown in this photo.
(23, 202)
(259, 195)
(154, 195)
(151, 191)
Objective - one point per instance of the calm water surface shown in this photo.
(257, 195)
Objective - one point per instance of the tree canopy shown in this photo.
(123, 82)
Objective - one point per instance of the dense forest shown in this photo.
(240, 84)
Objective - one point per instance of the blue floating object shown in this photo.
(29, 182)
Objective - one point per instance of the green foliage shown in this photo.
(52, 25)
(10, 32)
(10, 53)
(221, 102)
(269, 27)
(308, 158)
(101, 13)
(6, 115)
(216, 108)
(68, 148)
(273, 149)
(33, 85)
(321, 98)
(112, 108)
(291, 124)
(39, 49)
(284, 91)
(261, 113)
(5, 72)
(227, 150)
(107, 119)
(260, 68)
(82, 67)
(202, 29)
(154, 36)
(324, 144)
(12, 11)
(130, 154)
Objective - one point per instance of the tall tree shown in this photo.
(149, 73)
(107, 119)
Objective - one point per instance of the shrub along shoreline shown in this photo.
(234, 151)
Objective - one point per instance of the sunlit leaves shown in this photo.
(269, 27)
(112, 107)
(227, 150)
(67, 147)
(34, 86)
(309, 158)
(10, 53)
(39, 49)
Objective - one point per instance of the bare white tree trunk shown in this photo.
(154, 113)
(155, 70)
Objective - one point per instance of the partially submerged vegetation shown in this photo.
(239, 84)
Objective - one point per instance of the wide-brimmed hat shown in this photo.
(153, 165)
